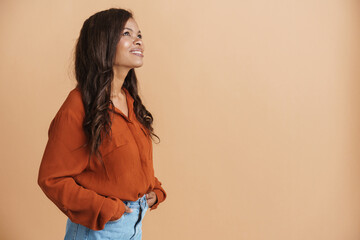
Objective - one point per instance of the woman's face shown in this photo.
(130, 41)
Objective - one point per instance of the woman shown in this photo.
(97, 166)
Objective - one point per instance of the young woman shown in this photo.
(97, 166)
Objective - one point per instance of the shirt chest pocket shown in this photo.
(112, 144)
(146, 136)
(145, 131)
(146, 141)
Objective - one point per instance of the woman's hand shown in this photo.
(151, 198)
(127, 209)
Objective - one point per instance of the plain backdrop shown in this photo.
(256, 104)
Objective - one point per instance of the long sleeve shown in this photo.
(63, 159)
(160, 194)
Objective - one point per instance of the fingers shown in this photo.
(150, 195)
(151, 198)
(127, 209)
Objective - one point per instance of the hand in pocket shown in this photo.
(151, 198)
(127, 209)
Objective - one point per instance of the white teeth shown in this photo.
(136, 52)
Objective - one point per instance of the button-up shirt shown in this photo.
(84, 190)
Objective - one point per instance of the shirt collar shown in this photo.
(130, 105)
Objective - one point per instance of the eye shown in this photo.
(125, 33)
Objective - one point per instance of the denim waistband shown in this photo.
(138, 203)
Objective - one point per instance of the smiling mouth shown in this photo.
(137, 53)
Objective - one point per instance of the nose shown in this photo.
(138, 42)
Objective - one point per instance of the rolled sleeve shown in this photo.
(63, 159)
(160, 194)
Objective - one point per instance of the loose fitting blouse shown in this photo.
(84, 190)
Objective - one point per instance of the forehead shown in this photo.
(131, 23)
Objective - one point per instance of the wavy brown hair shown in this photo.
(94, 59)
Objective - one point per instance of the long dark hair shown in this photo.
(94, 58)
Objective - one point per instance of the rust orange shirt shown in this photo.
(80, 188)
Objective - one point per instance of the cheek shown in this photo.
(122, 50)
(123, 45)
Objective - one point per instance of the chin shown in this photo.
(137, 65)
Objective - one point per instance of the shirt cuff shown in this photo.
(119, 209)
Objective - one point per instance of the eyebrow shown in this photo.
(132, 30)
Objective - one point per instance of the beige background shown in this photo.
(256, 103)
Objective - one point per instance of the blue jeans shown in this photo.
(127, 227)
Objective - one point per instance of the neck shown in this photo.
(119, 78)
